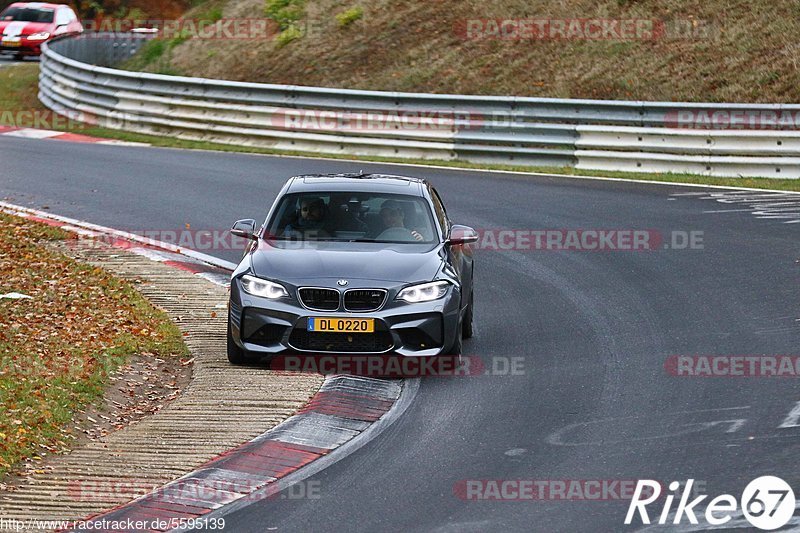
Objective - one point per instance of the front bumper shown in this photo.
(23, 48)
(265, 326)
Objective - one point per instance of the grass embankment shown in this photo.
(58, 348)
(19, 103)
(716, 50)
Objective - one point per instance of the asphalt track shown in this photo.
(6, 60)
(593, 329)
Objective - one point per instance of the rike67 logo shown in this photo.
(767, 503)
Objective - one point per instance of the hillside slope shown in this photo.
(713, 50)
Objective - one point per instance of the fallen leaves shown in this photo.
(59, 348)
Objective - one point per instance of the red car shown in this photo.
(26, 25)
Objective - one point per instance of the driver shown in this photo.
(310, 218)
(392, 216)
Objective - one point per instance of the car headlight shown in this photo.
(264, 288)
(41, 36)
(424, 292)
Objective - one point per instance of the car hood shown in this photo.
(297, 262)
(12, 28)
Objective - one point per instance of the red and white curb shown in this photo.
(347, 410)
(344, 408)
(34, 133)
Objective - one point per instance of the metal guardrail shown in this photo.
(77, 78)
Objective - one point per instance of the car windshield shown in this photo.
(27, 14)
(354, 217)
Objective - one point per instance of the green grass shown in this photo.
(156, 55)
(153, 50)
(58, 349)
(18, 92)
(212, 13)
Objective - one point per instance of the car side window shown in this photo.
(441, 213)
(62, 17)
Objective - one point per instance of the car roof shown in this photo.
(356, 182)
(37, 5)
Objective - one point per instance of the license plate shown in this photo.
(341, 325)
(9, 42)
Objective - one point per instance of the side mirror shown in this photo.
(461, 235)
(245, 228)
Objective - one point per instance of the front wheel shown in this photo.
(456, 349)
(466, 327)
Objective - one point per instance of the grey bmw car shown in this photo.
(352, 264)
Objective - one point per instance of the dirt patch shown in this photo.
(139, 388)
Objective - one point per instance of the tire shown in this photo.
(236, 355)
(466, 327)
(456, 349)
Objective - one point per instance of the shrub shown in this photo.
(286, 13)
(345, 18)
(288, 35)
